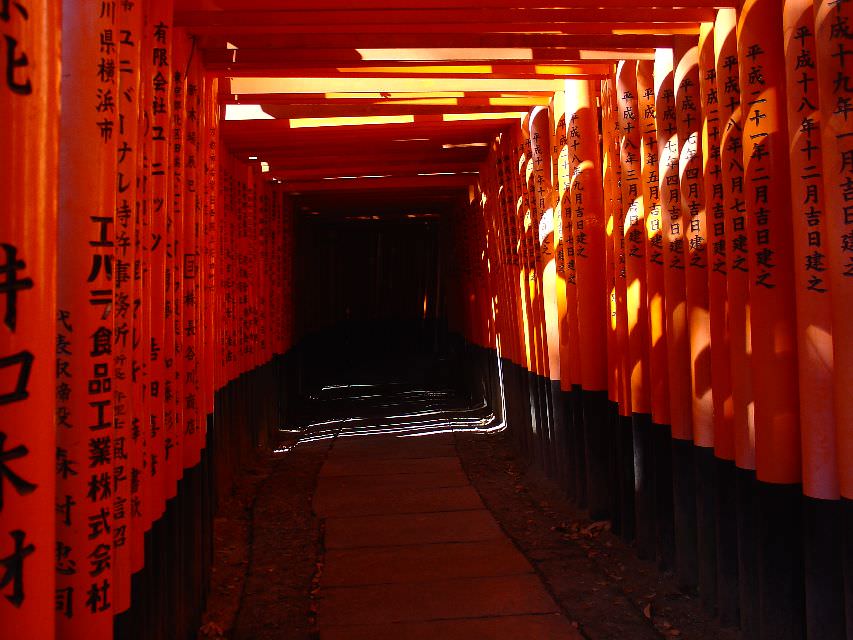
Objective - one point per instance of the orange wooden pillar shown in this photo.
(130, 22)
(677, 334)
(85, 594)
(833, 57)
(528, 285)
(157, 84)
(515, 252)
(190, 269)
(771, 290)
(526, 276)
(566, 164)
(139, 433)
(511, 351)
(739, 327)
(653, 238)
(695, 231)
(624, 447)
(624, 451)
(633, 228)
(541, 230)
(660, 455)
(634, 214)
(822, 540)
(724, 530)
(210, 226)
(533, 292)
(495, 266)
(193, 425)
(612, 200)
(559, 169)
(174, 436)
(589, 236)
(543, 201)
(28, 336)
(565, 295)
(155, 240)
(713, 130)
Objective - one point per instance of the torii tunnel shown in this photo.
(622, 230)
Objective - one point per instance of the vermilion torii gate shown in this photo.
(648, 216)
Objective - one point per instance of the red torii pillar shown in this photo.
(29, 121)
(835, 84)
(87, 176)
(771, 292)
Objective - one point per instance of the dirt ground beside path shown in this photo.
(269, 553)
(596, 578)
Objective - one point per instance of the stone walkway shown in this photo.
(411, 553)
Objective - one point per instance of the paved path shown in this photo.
(411, 553)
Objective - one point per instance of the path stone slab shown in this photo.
(535, 627)
(444, 599)
(406, 451)
(415, 528)
(367, 442)
(400, 481)
(367, 466)
(422, 563)
(356, 501)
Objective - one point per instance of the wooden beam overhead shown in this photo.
(355, 140)
(426, 127)
(358, 167)
(362, 107)
(183, 7)
(379, 85)
(288, 111)
(496, 73)
(266, 37)
(215, 53)
(385, 184)
(404, 21)
(449, 98)
(272, 67)
(339, 159)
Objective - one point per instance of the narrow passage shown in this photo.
(411, 551)
(399, 510)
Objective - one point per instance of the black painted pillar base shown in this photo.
(550, 425)
(824, 575)
(644, 485)
(780, 562)
(664, 516)
(537, 419)
(728, 603)
(512, 399)
(559, 418)
(706, 526)
(527, 410)
(578, 445)
(596, 425)
(847, 560)
(747, 540)
(626, 493)
(568, 450)
(522, 412)
(684, 510)
(613, 453)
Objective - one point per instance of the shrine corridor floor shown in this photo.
(400, 510)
